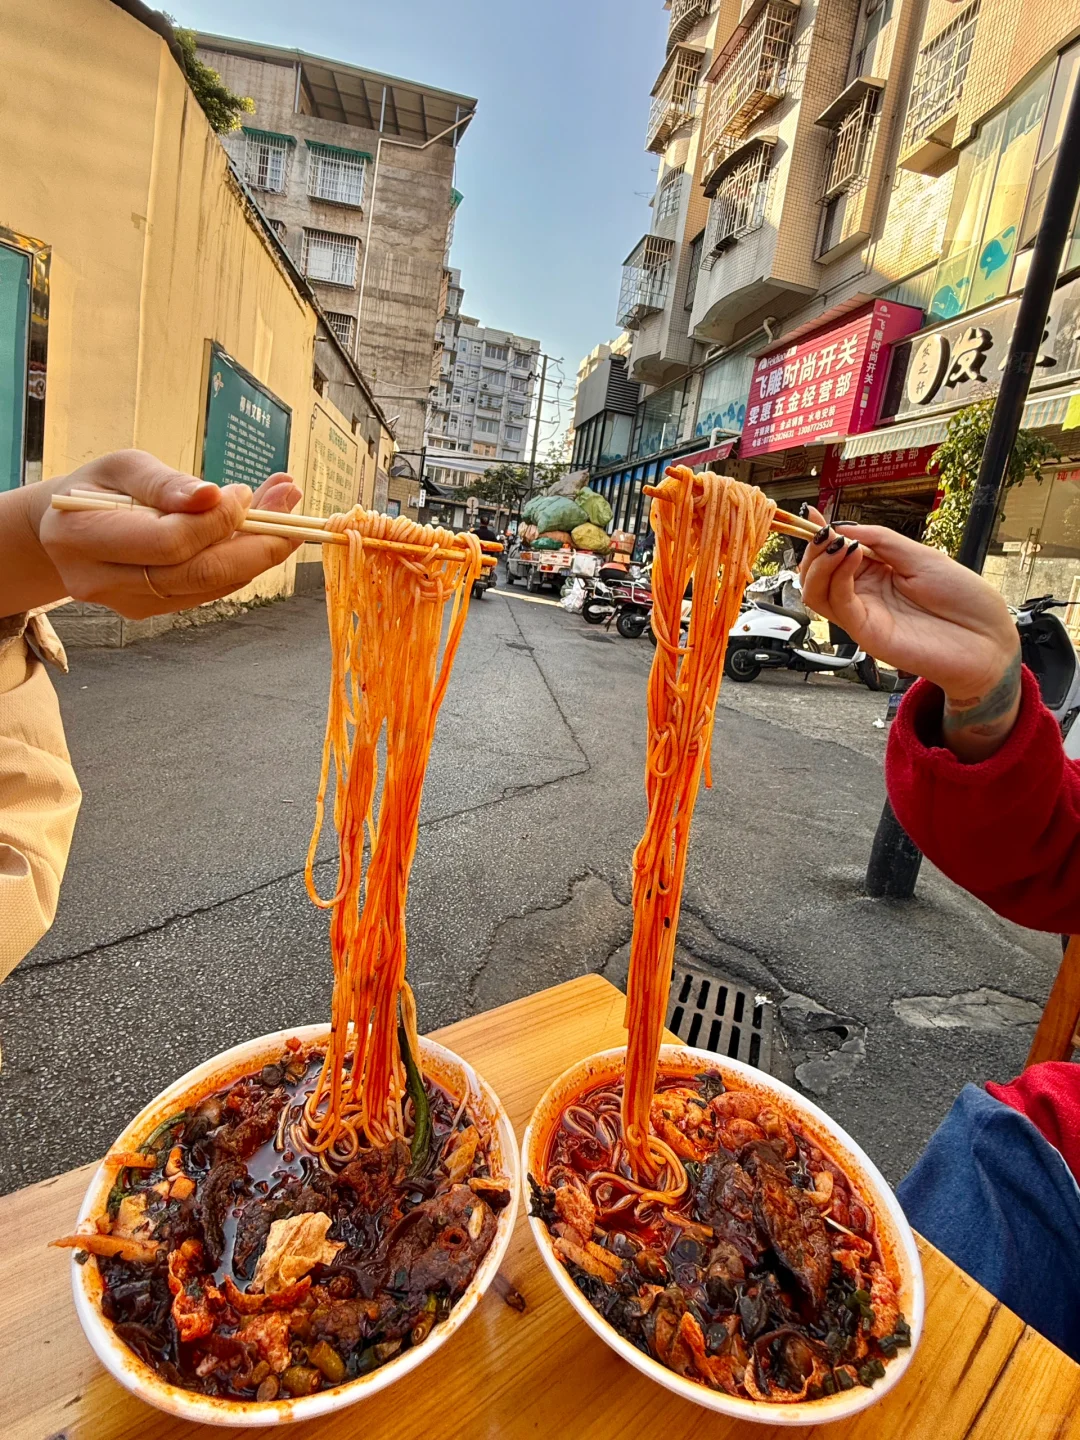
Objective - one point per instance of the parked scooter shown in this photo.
(768, 636)
(625, 597)
(1048, 652)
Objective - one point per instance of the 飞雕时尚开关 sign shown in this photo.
(247, 428)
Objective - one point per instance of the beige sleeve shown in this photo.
(39, 800)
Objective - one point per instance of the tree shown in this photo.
(507, 485)
(220, 105)
(956, 461)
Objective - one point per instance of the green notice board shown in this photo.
(14, 322)
(247, 428)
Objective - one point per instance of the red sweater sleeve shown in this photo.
(1008, 828)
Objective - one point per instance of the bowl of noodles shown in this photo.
(227, 1276)
(765, 1271)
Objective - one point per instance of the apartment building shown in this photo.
(354, 169)
(482, 401)
(847, 197)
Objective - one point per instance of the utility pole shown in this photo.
(895, 859)
(536, 427)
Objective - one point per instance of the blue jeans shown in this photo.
(1000, 1201)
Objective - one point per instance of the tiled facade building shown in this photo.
(864, 173)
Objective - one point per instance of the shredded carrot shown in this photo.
(387, 683)
(709, 527)
(130, 1159)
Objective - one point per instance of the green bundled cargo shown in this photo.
(595, 506)
(553, 512)
(547, 542)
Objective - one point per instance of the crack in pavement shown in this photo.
(554, 698)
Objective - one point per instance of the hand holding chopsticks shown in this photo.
(296, 528)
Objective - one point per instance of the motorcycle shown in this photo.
(622, 598)
(768, 636)
(484, 582)
(1048, 652)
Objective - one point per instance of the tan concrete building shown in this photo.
(355, 171)
(847, 197)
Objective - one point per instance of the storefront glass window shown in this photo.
(1023, 126)
(724, 390)
(1036, 548)
(971, 197)
(616, 443)
(660, 422)
(14, 333)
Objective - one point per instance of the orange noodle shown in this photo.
(385, 610)
(709, 527)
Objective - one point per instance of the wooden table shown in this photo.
(979, 1374)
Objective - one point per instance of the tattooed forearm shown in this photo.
(974, 728)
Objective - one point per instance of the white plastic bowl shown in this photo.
(894, 1233)
(450, 1071)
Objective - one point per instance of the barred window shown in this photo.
(847, 160)
(940, 72)
(278, 227)
(266, 160)
(667, 202)
(739, 203)
(335, 176)
(343, 326)
(330, 258)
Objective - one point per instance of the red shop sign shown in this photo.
(826, 385)
(874, 469)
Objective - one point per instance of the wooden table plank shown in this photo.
(980, 1374)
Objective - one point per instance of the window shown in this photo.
(487, 427)
(343, 326)
(480, 448)
(645, 280)
(940, 72)
(739, 203)
(335, 174)
(847, 160)
(519, 384)
(753, 80)
(330, 258)
(832, 223)
(697, 245)
(279, 228)
(1064, 84)
(490, 401)
(476, 347)
(522, 359)
(393, 508)
(266, 160)
(517, 412)
(318, 381)
(496, 352)
(667, 200)
(514, 434)
(495, 379)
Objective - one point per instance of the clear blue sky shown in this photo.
(553, 166)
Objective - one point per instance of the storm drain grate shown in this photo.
(714, 1012)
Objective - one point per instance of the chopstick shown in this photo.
(287, 526)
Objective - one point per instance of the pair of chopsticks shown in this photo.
(280, 522)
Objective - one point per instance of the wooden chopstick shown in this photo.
(267, 517)
(310, 533)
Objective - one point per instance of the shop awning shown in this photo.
(697, 458)
(1040, 412)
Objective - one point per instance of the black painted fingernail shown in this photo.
(851, 549)
(822, 535)
(837, 544)
(839, 524)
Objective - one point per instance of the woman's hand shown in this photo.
(139, 563)
(916, 609)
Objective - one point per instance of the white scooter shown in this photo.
(1049, 654)
(767, 636)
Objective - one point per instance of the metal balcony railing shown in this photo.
(739, 203)
(675, 97)
(847, 160)
(940, 72)
(752, 80)
(685, 14)
(646, 280)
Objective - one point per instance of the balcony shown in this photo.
(675, 97)
(738, 204)
(685, 14)
(749, 77)
(936, 88)
(852, 118)
(646, 281)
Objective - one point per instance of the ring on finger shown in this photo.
(153, 587)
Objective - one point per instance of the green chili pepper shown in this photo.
(422, 1132)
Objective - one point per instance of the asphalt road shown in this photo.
(184, 925)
